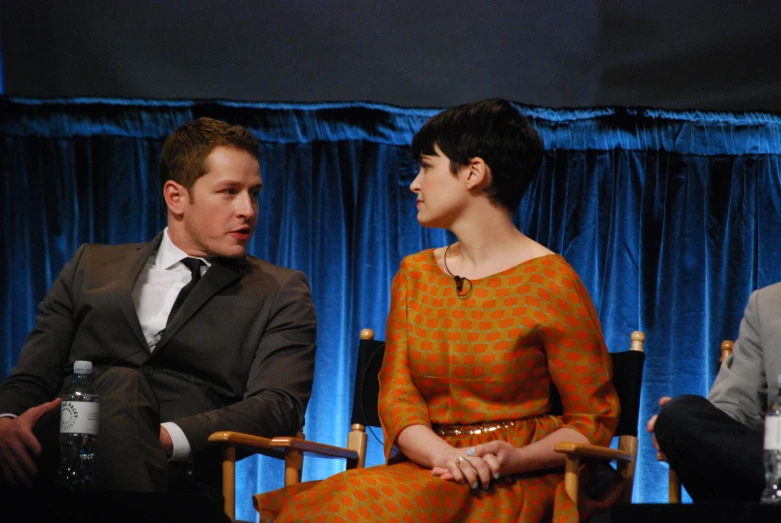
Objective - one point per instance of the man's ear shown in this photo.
(479, 174)
(175, 196)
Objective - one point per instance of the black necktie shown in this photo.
(194, 264)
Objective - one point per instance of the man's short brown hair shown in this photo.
(185, 150)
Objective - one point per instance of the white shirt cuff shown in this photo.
(182, 450)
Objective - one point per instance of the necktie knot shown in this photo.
(194, 264)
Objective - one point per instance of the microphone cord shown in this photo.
(460, 280)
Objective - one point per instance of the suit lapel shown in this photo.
(134, 261)
(222, 273)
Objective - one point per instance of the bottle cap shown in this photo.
(82, 367)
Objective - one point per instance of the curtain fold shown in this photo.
(670, 218)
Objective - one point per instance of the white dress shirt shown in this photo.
(157, 287)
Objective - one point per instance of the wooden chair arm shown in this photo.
(587, 451)
(327, 451)
(255, 444)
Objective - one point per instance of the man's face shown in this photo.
(221, 209)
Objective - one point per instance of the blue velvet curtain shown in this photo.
(670, 218)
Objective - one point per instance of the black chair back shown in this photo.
(367, 384)
(628, 381)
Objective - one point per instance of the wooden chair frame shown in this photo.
(232, 442)
(354, 453)
(290, 449)
(625, 454)
(293, 449)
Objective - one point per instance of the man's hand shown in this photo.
(166, 442)
(18, 446)
(652, 424)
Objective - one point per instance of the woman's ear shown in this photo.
(175, 197)
(479, 175)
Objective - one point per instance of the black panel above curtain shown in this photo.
(670, 218)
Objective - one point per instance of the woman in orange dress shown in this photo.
(477, 333)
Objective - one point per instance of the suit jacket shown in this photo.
(239, 355)
(747, 381)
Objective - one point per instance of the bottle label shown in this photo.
(79, 417)
(773, 433)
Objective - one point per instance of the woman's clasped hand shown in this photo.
(478, 466)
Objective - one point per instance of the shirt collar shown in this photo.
(169, 254)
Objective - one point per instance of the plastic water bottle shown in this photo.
(772, 493)
(79, 416)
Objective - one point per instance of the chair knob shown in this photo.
(638, 337)
(726, 349)
(367, 334)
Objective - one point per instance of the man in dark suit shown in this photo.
(187, 334)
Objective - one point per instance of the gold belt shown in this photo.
(480, 428)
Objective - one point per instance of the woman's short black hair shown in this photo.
(493, 130)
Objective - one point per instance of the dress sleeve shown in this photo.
(400, 402)
(579, 362)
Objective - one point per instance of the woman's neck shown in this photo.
(488, 246)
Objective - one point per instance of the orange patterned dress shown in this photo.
(490, 357)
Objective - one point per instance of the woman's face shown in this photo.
(441, 194)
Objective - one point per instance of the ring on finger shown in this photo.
(459, 460)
